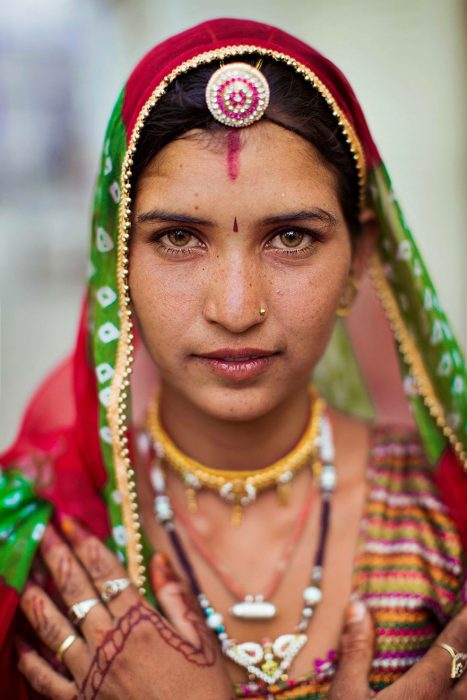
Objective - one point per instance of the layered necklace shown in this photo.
(238, 487)
(248, 606)
(269, 660)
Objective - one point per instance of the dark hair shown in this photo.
(294, 104)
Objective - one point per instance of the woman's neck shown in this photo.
(238, 445)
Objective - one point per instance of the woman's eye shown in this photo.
(293, 242)
(291, 239)
(177, 241)
(179, 238)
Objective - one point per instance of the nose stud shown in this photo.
(262, 311)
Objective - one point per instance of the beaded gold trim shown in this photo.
(412, 357)
(118, 407)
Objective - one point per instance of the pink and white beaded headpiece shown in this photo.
(237, 94)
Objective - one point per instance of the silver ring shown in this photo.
(78, 611)
(113, 587)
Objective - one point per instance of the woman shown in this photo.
(241, 202)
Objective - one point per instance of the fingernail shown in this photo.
(161, 560)
(73, 530)
(50, 538)
(22, 645)
(355, 612)
(162, 571)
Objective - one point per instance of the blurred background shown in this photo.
(62, 64)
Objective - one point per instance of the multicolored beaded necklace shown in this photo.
(269, 660)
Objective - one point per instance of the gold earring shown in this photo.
(262, 311)
(348, 296)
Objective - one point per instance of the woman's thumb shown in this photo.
(355, 655)
(175, 597)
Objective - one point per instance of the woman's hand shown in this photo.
(124, 648)
(429, 679)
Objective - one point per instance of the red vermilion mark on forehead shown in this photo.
(233, 153)
(235, 226)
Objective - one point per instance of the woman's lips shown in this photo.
(238, 365)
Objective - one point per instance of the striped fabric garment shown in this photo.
(408, 569)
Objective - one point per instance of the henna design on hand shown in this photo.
(65, 581)
(46, 630)
(115, 640)
(206, 645)
(39, 619)
(97, 565)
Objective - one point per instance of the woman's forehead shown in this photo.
(263, 158)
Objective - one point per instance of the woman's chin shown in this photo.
(246, 405)
(237, 404)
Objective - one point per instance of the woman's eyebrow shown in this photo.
(303, 215)
(157, 215)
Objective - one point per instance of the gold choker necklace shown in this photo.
(238, 487)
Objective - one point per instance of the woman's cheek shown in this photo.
(309, 316)
(311, 303)
(163, 314)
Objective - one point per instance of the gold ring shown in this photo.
(78, 611)
(459, 660)
(113, 587)
(66, 644)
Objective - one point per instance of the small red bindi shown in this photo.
(235, 226)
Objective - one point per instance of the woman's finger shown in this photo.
(42, 676)
(100, 564)
(53, 628)
(433, 672)
(355, 656)
(460, 687)
(73, 584)
(461, 684)
(176, 599)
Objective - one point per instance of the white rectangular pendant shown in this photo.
(253, 610)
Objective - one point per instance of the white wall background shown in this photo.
(405, 58)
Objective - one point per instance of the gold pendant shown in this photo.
(192, 485)
(283, 487)
(241, 494)
(283, 491)
(237, 514)
(191, 499)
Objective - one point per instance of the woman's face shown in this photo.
(222, 228)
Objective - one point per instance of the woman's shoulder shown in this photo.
(405, 508)
(411, 556)
(398, 464)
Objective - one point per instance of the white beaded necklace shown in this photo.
(269, 660)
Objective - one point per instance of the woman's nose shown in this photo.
(235, 296)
